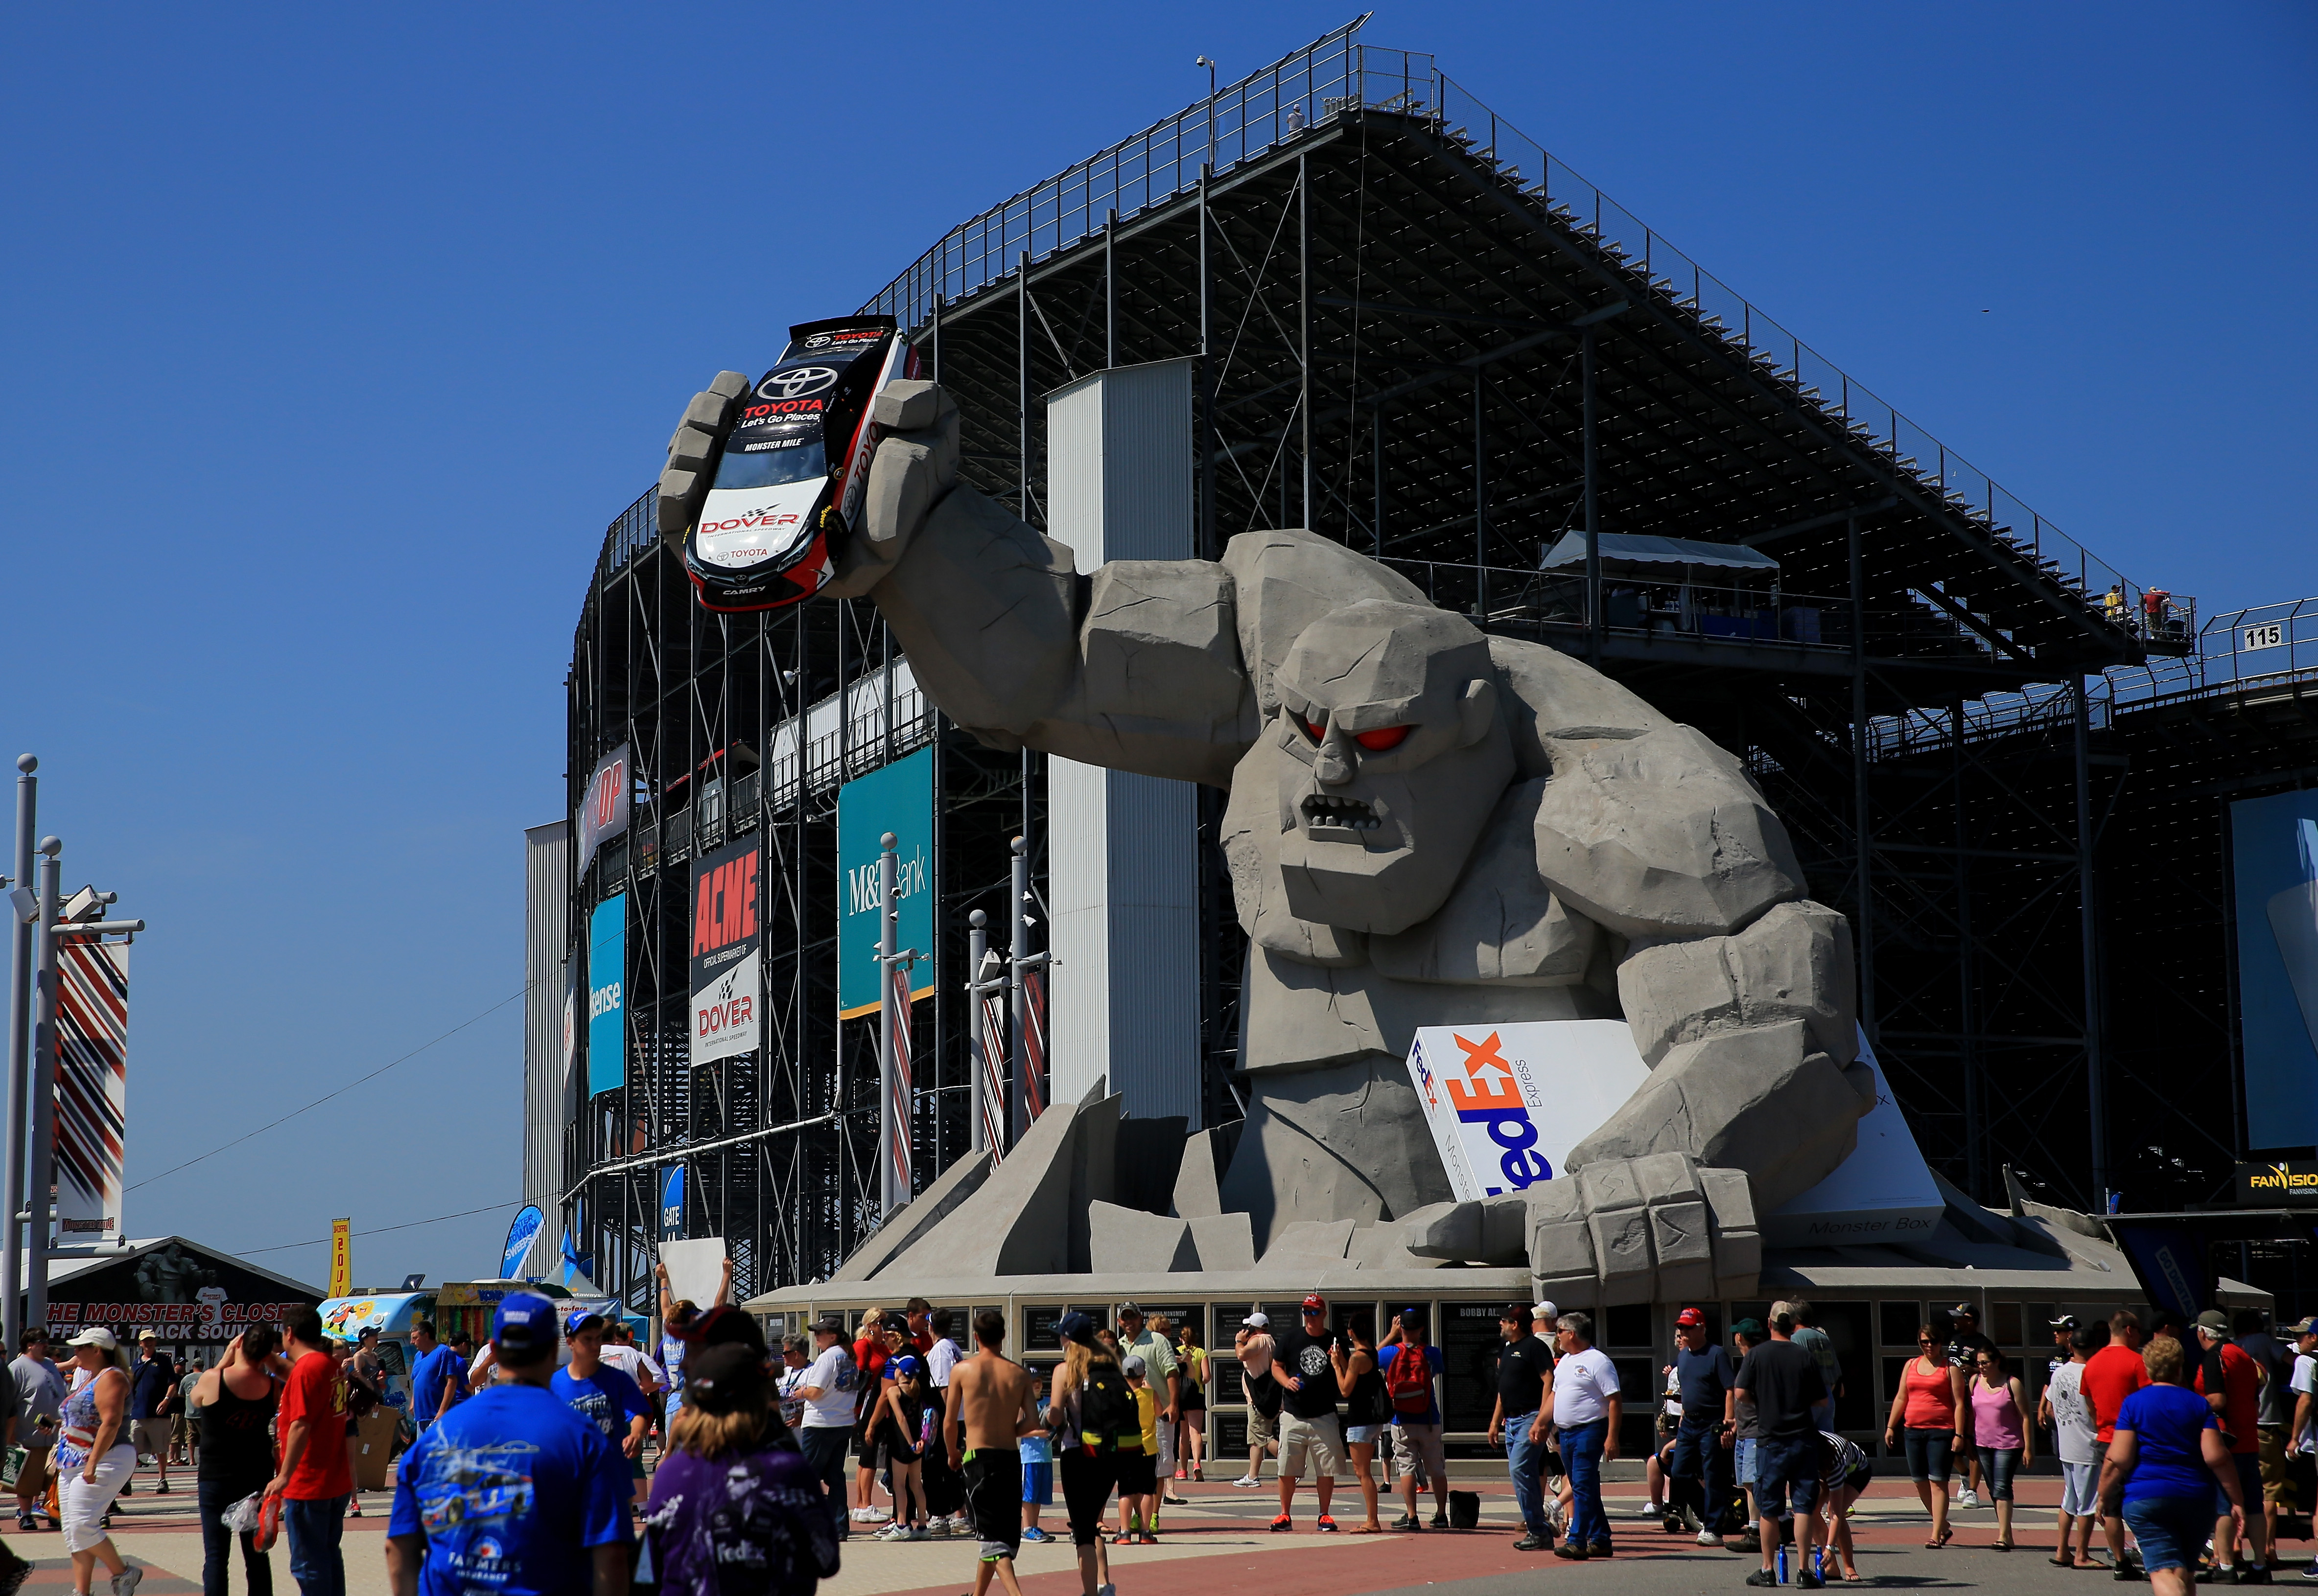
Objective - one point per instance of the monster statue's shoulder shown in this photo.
(1550, 697)
(1284, 580)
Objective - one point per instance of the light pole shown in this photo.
(43, 1081)
(25, 915)
(1210, 64)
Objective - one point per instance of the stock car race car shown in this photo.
(787, 485)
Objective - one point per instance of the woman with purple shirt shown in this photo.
(735, 1510)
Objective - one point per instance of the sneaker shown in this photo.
(2310, 1573)
(1441, 1520)
(1805, 1580)
(25, 1525)
(939, 1529)
(1763, 1576)
(1408, 1522)
(1126, 1537)
(2216, 1573)
(162, 1489)
(1106, 1590)
(1326, 1526)
(890, 1532)
(1146, 1539)
(1179, 1474)
(2249, 1574)
(125, 1582)
(1036, 1536)
(1246, 1482)
(866, 1515)
(1532, 1542)
(1967, 1498)
(1707, 1537)
(1571, 1551)
(1600, 1548)
(1282, 1526)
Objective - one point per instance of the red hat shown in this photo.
(1316, 1301)
(1689, 1317)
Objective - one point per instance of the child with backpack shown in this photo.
(1410, 1367)
(1091, 1412)
(1138, 1462)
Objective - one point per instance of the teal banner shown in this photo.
(899, 799)
(607, 1008)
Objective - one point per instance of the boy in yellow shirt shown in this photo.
(1139, 1471)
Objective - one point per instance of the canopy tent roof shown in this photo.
(1648, 548)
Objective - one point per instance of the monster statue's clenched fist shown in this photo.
(1426, 826)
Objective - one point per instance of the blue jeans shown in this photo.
(213, 1497)
(1525, 1462)
(1996, 1465)
(1928, 1451)
(2171, 1530)
(1581, 1455)
(825, 1450)
(315, 1528)
(1698, 1455)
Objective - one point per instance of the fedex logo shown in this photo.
(1490, 1097)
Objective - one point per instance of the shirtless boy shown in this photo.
(992, 1404)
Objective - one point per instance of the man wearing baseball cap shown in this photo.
(1309, 1430)
(604, 1394)
(512, 1490)
(829, 1391)
(1704, 1440)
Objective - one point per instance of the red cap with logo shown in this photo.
(1690, 1317)
(1315, 1302)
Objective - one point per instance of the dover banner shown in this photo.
(92, 1086)
(728, 955)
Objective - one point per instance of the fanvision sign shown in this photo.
(2294, 1182)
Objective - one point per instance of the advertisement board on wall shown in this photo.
(671, 1204)
(603, 805)
(92, 1034)
(2274, 868)
(898, 798)
(728, 959)
(607, 1018)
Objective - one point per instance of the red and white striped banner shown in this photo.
(92, 1086)
(897, 1153)
(992, 1044)
(1033, 1062)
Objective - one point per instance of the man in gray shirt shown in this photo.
(34, 1390)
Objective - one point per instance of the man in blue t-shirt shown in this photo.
(604, 1394)
(1417, 1435)
(512, 1490)
(1702, 1442)
(439, 1377)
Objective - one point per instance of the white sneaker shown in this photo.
(1246, 1482)
(125, 1582)
(1967, 1498)
(866, 1515)
(893, 1532)
(1707, 1537)
(939, 1529)
(1106, 1590)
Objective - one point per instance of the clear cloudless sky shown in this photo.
(330, 338)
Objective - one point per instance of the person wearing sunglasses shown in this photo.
(1924, 1411)
(2002, 1433)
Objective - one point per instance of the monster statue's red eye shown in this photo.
(1315, 730)
(1382, 739)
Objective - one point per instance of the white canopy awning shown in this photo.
(1641, 548)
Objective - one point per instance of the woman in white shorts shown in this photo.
(94, 1460)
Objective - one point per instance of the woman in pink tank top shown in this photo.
(2002, 1433)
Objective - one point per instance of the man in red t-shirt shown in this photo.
(314, 1482)
(2111, 1375)
(2230, 1383)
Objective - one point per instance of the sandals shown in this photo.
(2061, 1562)
(1941, 1539)
(1999, 1546)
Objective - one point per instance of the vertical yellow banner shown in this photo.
(342, 1258)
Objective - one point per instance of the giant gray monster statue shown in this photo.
(1426, 826)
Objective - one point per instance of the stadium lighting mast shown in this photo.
(1210, 64)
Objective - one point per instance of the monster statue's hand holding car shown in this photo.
(1425, 825)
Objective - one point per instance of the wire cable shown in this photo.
(380, 1230)
(326, 1096)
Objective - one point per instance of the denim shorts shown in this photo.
(2249, 1465)
(1929, 1454)
(1786, 1473)
(2171, 1530)
(1743, 1459)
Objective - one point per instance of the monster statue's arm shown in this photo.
(1135, 667)
(1739, 995)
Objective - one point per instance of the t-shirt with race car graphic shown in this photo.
(509, 1491)
(607, 1399)
(1307, 1356)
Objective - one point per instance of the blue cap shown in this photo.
(581, 1319)
(523, 1321)
(906, 1365)
(1076, 1327)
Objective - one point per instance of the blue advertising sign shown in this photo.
(521, 1234)
(2274, 861)
(898, 798)
(608, 1010)
(671, 1205)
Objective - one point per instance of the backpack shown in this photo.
(1408, 1380)
(1107, 1410)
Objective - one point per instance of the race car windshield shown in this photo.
(742, 467)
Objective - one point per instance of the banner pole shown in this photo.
(977, 948)
(893, 1128)
(20, 1020)
(42, 1084)
(1018, 1108)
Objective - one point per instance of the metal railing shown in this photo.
(1629, 604)
(1336, 73)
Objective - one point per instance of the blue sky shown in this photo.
(333, 337)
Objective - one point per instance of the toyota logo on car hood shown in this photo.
(796, 382)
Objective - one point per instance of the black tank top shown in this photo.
(1367, 1401)
(236, 1445)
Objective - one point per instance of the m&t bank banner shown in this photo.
(899, 799)
(608, 1010)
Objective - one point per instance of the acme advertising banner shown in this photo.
(728, 957)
